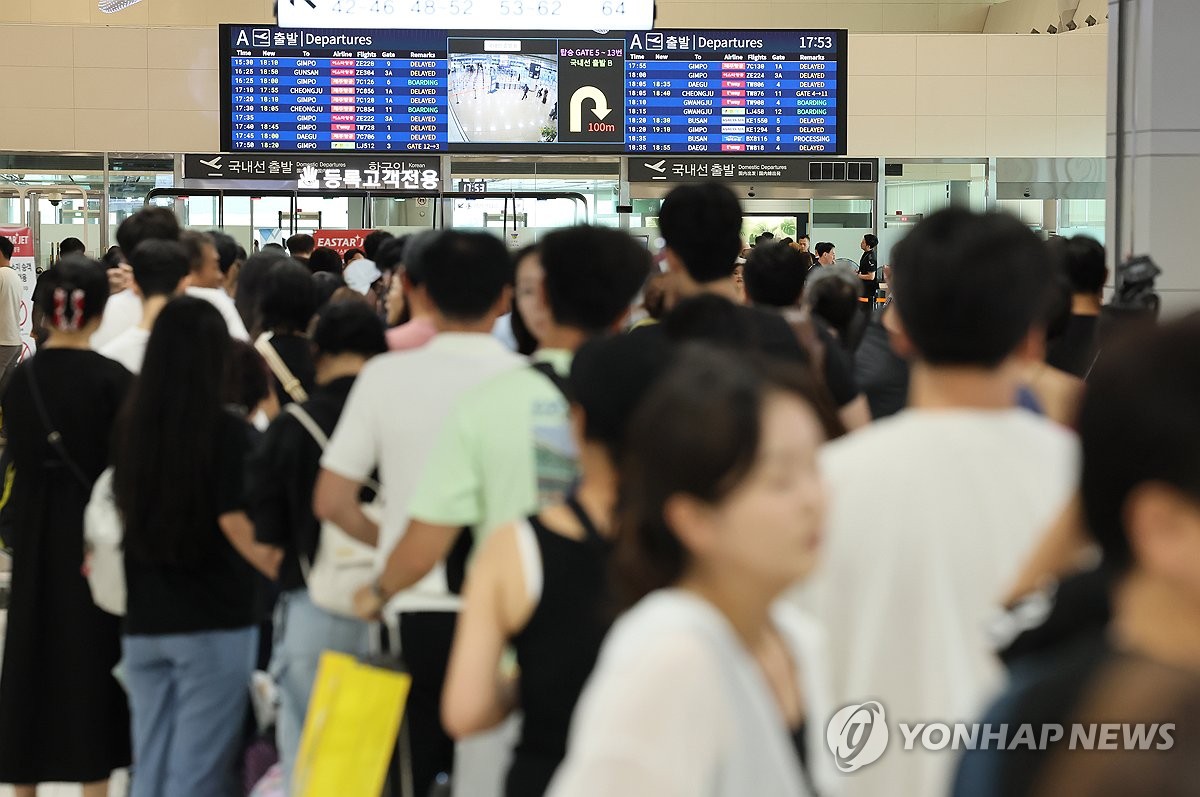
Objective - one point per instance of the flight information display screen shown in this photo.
(431, 91)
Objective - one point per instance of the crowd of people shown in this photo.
(634, 529)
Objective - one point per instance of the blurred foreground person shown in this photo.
(963, 483)
(709, 685)
(1141, 505)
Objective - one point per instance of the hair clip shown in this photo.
(77, 299)
(60, 309)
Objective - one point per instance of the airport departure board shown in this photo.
(707, 92)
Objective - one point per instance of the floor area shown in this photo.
(117, 787)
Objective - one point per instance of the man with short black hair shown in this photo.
(159, 271)
(301, 246)
(774, 276)
(229, 256)
(775, 280)
(147, 223)
(962, 484)
(71, 246)
(701, 228)
(701, 225)
(392, 422)
(10, 314)
(1082, 259)
(826, 254)
(868, 267)
(124, 308)
(206, 280)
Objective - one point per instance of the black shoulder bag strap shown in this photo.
(591, 533)
(547, 370)
(53, 437)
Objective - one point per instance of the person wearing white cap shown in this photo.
(361, 274)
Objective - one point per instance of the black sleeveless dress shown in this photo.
(63, 716)
(557, 649)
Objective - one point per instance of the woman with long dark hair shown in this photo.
(540, 584)
(288, 304)
(710, 684)
(63, 716)
(190, 627)
(252, 278)
(529, 312)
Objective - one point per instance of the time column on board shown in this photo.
(293, 103)
(637, 121)
(275, 100)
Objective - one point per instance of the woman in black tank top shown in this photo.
(541, 584)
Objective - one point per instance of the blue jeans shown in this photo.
(188, 694)
(302, 633)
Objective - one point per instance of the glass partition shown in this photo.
(596, 179)
(1082, 217)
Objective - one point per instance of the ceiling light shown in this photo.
(113, 6)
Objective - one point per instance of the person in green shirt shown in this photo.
(505, 451)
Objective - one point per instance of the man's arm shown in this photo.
(352, 454)
(415, 555)
(336, 499)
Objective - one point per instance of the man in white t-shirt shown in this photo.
(206, 280)
(391, 422)
(122, 312)
(160, 269)
(933, 511)
(124, 309)
(10, 314)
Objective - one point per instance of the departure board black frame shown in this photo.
(567, 77)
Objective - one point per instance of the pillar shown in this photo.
(1158, 171)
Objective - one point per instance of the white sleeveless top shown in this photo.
(677, 707)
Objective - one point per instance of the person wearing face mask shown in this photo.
(709, 684)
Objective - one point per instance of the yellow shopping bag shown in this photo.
(350, 731)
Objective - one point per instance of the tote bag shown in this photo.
(342, 564)
(351, 729)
